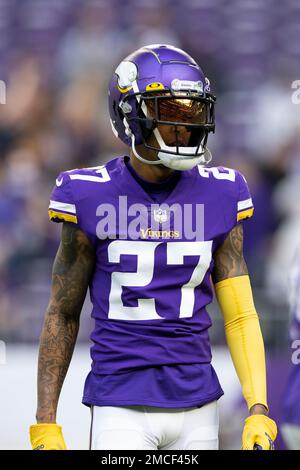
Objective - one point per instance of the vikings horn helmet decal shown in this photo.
(156, 86)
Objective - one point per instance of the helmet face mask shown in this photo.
(177, 111)
(172, 116)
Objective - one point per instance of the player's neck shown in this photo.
(152, 173)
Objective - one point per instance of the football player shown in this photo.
(290, 428)
(147, 233)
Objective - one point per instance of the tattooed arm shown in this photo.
(242, 329)
(229, 258)
(71, 274)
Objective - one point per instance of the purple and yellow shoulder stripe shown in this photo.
(62, 211)
(245, 209)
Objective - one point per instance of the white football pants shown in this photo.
(147, 427)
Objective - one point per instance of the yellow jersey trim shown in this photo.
(244, 214)
(60, 215)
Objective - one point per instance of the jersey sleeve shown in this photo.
(245, 208)
(62, 206)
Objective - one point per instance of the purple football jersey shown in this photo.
(291, 403)
(151, 285)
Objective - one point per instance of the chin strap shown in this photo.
(144, 160)
(176, 162)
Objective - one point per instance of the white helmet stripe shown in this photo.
(138, 98)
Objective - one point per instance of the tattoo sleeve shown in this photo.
(71, 273)
(229, 259)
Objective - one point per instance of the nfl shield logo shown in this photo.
(160, 215)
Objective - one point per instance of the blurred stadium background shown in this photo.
(56, 58)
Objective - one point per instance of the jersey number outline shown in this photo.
(145, 253)
(228, 175)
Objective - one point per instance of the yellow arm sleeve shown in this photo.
(244, 337)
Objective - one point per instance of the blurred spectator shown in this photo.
(275, 119)
(151, 22)
(286, 238)
(95, 42)
(258, 231)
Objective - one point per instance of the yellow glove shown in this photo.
(259, 433)
(47, 437)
